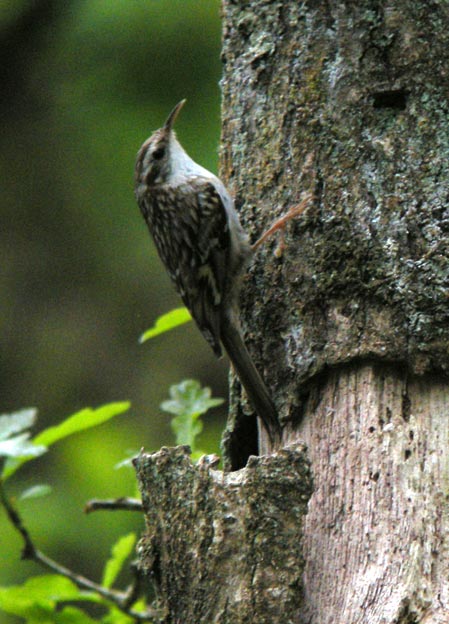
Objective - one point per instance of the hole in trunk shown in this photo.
(395, 99)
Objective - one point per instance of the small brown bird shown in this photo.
(199, 238)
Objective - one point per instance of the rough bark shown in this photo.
(350, 325)
(224, 547)
(348, 100)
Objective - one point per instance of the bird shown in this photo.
(200, 240)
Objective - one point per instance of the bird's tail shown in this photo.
(250, 379)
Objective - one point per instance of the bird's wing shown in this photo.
(199, 268)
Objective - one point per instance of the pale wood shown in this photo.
(376, 535)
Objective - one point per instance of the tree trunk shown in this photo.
(375, 541)
(349, 326)
(224, 547)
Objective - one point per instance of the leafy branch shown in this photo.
(39, 598)
(123, 600)
(16, 448)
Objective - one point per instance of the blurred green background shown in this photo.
(82, 85)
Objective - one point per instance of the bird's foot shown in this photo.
(281, 223)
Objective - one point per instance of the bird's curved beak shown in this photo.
(168, 125)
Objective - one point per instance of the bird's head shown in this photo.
(154, 160)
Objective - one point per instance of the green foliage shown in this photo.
(115, 616)
(36, 491)
(40, 598)
(19, 450)
(9, 10)
(18, 446)
(188, 401)
(37, 600)
(166, 322)
(98, 78)
(121, 550)
(84, 419)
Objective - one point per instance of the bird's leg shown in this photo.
(281, 223)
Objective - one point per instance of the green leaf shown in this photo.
(72, 615)
(37, 597)
(186, 429)
(18, 446)
(188, 402)
(118, 617)
(82, 420)
(127, 462)
(120, 552)
(36, 491)
(189, 398)
(17, 421)
(166, 322)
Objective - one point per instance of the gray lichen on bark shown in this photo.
(224, 547)
(350, 101)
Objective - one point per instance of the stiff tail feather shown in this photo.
(250, 379)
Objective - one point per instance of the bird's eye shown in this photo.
(158, 153)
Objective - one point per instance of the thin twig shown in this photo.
(136, 587)
(119, 598)
(114, 504)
